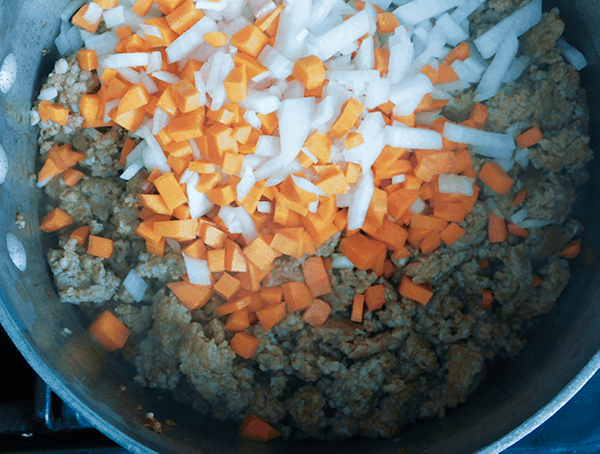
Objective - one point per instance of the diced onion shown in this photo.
(341, 262)
(197, 270)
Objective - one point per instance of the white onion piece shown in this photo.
(324, 112)
(403, 137)
(313, 207)
(452, 31)
(522, 157)
(198, 203)
(160, 120)
(155, 62)
(341, 262)
(293, 19)
(377, 93)
(207, 5)
(264, 207)
(401, 55)
(114, 17)
(407, 95)
(153, 153)
(267, 146)
(534, 223)
(518, 23)
(197, 270)
(246, 183)
(319, 11)
(307, 186)
(294, 116)
(419, 10)
(342, 35)
(472, 136)
(252, 119)
(280, 66)
(48, 94)
(456, 184)
(135, 285)
(166, 76)
(357, 211)
(93, 13)
(463, 11)
(249, 231)
(505, 164)
(496, 153)
(125, 60)
(261, 102)
(130, 74)
(418, 207)
(129, 172)
(519, 216)
(365, 58)
(200, 86)
(518, 67)
(190, 39)
(573, 56)
(186, 176)
(105, 44)
(396, 179)
(108, 107)
(148, 83)
(492, 78)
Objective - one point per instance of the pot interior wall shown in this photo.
(89, 379)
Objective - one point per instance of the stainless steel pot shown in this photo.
(517, 396)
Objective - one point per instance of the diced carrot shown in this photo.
(517, 231)
(357, 308)
(430, 72)
(530, 137)
(216, 260)
(254, 428)
(310, 71)
(452, 233)
(191, 296)
(232, 163)
(109, 331)
(519, 198)
(235, 260)
(375, 297)
(297, 296)
(107, 4)
(460, 52)
(361, 250)
(222, 195)
(186, 96)
(271, 315)
(81, 234)
(141, 7)
(155, 203)
(334, 183)
(238, 321)
(317, 314)
(269, 122)
(87, 59)
(250, 40)
(100, 247)
(260, 253)
(184, 16)
(351, 110)
(55, 220)
(180, 230)
(479, 115)
(487, 298)
(236, 84)
(496, 178)
(572, 250)
(316, 276)
(497, 231)
(71, 177)
(80, 22)
(211, 235)
(265, 22)
(253, 66)
(168, 187)
(271, 295)
(244, 345)
(419, 293)
(388, 269)
(390, 234)
(446, 74)
(130, 120)
(49, 111)
(387, 22)
(537, 281)
(89, 106)
(431, 242)
(400, 201)
(352, 172)
(320, 146)
(382, 60)
(233, 306)
(420, 221)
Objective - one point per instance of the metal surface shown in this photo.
(558, 360)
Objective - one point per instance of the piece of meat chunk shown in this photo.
(156, 356)
(465, 361)
(79, 277)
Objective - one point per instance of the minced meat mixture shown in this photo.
(404, 362)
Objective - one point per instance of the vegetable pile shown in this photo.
(268, 128)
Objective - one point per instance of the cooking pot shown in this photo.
(515, 397)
